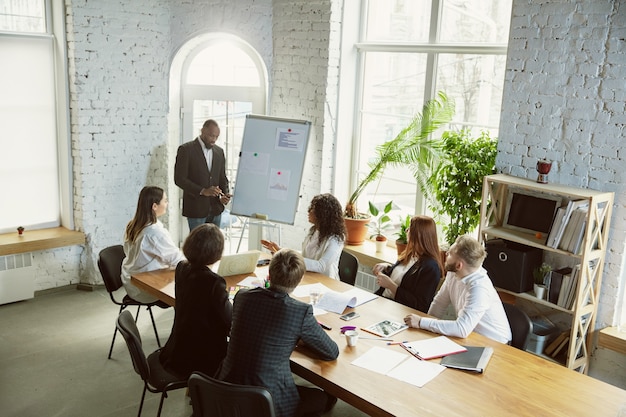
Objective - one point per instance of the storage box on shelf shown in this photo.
(590, 256)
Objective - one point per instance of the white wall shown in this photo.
(564, 99)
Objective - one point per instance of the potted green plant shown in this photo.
(541, 275)
(402, 241)
(412, 147)
(380, 221)
(455, 188)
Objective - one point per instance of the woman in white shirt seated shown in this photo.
(323, 244)
(147, 244)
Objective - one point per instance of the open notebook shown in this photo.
(238, 263)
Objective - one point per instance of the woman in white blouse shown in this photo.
(147, 244)
(323, 244)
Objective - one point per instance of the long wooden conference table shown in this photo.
(515, 383)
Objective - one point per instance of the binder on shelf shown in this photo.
(565, 287)
(577, 249)
(571, 206)
(571, 295)
(556, 225)
(579, 214)
(556, 281)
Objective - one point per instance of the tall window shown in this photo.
(29, 159)
(407, 51)
(225, 89)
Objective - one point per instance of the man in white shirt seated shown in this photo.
(472, 295)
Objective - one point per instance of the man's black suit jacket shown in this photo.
(192, 175)
(266, 327)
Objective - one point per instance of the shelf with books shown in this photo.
(577, 232)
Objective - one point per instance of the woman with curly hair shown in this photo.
(414, 278)
(323, 244)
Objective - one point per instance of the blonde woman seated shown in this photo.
(323, 244)
(414, 278)
(147, 244)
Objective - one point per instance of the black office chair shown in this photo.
(521, 326)
(155, 378)
(348, 267)
(110, 265)
(210, 397)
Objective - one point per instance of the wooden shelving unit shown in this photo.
(591, 257)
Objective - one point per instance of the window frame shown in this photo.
(55, 33)
(351, 100)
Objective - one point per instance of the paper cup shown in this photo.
(351, 337)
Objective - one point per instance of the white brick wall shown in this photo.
(565, 100)
(302, 89)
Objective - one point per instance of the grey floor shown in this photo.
(53, 359)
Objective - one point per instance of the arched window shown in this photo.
(215, 76)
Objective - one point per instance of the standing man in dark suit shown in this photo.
(267, 326)
(200, 171)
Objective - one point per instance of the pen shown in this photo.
(397, 343)
(324, 326)
(369, 331)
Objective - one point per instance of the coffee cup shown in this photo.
(352, 336)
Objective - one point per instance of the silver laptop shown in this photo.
(238, 263)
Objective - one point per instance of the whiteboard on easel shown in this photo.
(269, 172)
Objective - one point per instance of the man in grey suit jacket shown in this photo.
(267, 326)
(200, 171)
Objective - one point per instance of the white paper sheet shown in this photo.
(399, 365)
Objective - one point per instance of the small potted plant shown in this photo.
(402, 241)
(541, 274)
(20, 231)
(379, 223)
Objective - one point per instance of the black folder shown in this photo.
(474, 359)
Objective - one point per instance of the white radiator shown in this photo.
(366, 281)
(17, 278)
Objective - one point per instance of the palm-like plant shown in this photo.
(412, 147)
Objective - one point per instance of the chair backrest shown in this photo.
(521, 326)
(348, 267)
(110, 265)
(210, 397)
(127, 327)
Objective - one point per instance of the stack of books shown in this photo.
(568, 227)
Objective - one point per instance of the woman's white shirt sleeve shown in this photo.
(322, 258)
(153, 249)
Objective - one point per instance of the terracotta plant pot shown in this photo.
(356, 230)
(400, 247)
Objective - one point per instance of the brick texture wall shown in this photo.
(565, 100)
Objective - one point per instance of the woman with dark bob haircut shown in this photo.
(323, 244)
(203, 312)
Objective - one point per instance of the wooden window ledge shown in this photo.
(611, 338)
(367, 255)
(37, 240)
